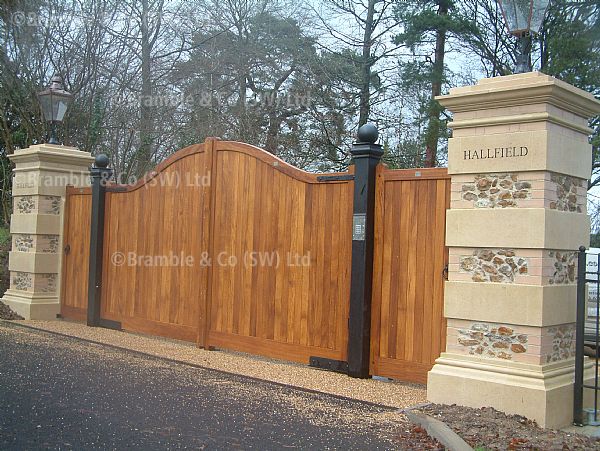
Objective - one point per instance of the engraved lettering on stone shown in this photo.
(495, 153)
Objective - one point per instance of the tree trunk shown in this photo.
(146, 101)
(365, 90)
(435, 109)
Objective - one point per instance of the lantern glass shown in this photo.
(523, 16)
(54, 101)
(538, 11)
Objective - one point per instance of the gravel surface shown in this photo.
(490, 429)
(7, 313)
(63, 393)
(368, 425)
(393, 394)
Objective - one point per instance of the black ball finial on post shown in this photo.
(101, 161)
(368, 134)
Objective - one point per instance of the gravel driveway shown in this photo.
(60, 392)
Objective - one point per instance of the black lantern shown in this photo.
(523, 17)
(55, 101)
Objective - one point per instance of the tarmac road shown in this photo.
(63, 393)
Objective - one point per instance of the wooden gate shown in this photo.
(76, 253)
(407, 322)
(230, 247)
(226, 245)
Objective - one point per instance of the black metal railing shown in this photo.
(587, 333)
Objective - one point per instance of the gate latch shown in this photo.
(445, 272)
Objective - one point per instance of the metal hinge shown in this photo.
(67, 249)
(335, 178)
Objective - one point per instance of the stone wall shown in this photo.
(520, 190)
(496, 191)
(492, 341)
(567, 193)
(512, 342)
(565, 267)
(489, 265)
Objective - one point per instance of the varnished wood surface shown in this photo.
(150, 231)
(254, 208)
(298, 294)
(410, 254)
(271, 250)
(75, 262)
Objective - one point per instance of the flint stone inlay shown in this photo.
(25, 204)
(563, 343)
(566, 193)
(23, 243)
(47, 283)
(496, 191)
(489, 265)
(50, 205)
(22, 281)
(492, 341)
(565, 264)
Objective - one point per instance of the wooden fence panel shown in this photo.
(76, 253)
(155, 238)
(410, 256)
(282, 241)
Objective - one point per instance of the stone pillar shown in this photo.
(41, 175)
(519, 160)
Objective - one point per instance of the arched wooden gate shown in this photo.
(228, 246)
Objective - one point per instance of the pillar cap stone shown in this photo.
(521, 89)
(52, 153)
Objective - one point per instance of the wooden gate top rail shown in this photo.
(230, 146)
(73, 190)
(415, 174)
(276, 162)
(161, 167)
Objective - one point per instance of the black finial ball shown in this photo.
(101, 161)
(368, 134)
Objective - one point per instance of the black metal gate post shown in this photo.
(579, 340)
(366, 155)
(100, 175)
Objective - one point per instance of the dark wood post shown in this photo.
(366, 155)
(100, 175)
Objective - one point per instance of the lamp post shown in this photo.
(523, 17)
(54, 101)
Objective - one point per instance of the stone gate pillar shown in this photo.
(41, 175)
(519, 160)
